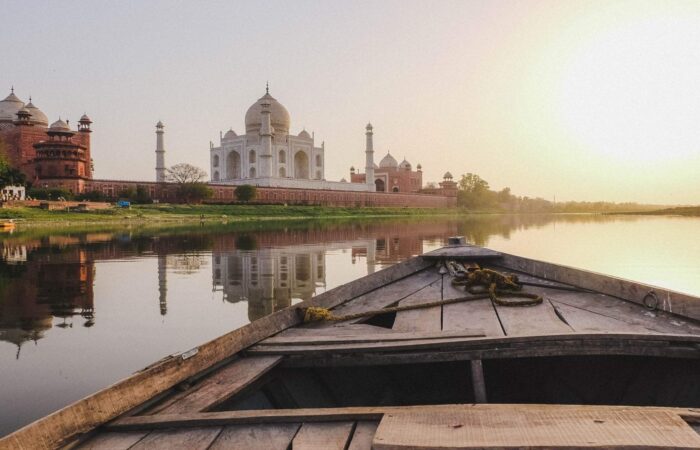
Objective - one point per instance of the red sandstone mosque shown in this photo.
(286, 168)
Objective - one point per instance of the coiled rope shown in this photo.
(495, 286)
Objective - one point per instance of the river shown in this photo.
(80, 310)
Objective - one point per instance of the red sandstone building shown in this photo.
(49, 156)
(390, 176)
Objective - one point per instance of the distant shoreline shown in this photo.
(687, 211)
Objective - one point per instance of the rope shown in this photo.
(497, 284)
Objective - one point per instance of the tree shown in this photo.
(473, 183)
(194, 192)
(185, 173)
(9, 176)
(474, 192)
(245, 193)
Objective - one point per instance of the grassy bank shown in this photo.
(690, 211)
(229, 213)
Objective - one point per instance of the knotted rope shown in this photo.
(495, 283)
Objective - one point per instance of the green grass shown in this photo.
(229, 213)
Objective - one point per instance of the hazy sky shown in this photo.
(582, 100)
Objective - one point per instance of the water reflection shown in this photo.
(100, 305)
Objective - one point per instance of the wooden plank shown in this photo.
(363, 435)
(478, 314)
(386, 295)
(120, 440)
(223, 384)
(362, 413)
(531, 320)
(478, 381)
(352, 338)
(459, 252)
(256, 437)
(339, 330)
(634, 317)
(82, 416)
(518, 345)
(669, 301)
(323, 436)
(184, 439)
(426, 319)
(520, 428)
(582, 320)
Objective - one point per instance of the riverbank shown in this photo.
(690, 211)
(167, 213)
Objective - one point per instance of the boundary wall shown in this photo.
(166, 192)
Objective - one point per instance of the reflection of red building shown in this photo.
(50, 156)
(50, 283)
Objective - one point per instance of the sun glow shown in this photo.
(631, 93)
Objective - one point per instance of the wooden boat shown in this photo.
(601, 362)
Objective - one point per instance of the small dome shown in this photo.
(352, 168)
(304, 134)
(388, 162)
(230, 134)
(160, 124)
(59, 125)
(85, 119)
(9, 107)
(419, 167)
(369, 127)
(343, 180)
(38, 117)
(279, 116)
(405, 165)
(447, 176)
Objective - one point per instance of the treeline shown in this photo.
(475, 193)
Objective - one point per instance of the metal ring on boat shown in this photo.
(655, 300)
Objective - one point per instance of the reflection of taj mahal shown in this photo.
(269, 279)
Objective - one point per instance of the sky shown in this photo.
(573, 100)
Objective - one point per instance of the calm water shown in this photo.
(81, 311)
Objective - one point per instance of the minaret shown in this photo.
(369, 154)
(265, 159)
(160, 153)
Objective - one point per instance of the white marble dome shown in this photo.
(304, 134)
(388, 162)
(279, 116)
(230, 134)
(405, 165)
(9, 107)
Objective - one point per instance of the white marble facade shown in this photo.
(267, 155)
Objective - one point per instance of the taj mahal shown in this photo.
(267, 155)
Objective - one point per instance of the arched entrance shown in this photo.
(216, 176)
(283, 172)
(233, 166)
(301, 165)
(379, 184)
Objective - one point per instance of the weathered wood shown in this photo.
(670, 301)
(223, 384)
(426, 319)
(629, 316)
(582, 320)
(323, 436)
(386, 295)
(519, 428)
(119, 440)
(530, 320)
(363, 413)
(363, 435)
(478, 314)
(184, 439)
(478, 381)
(509, 347)
(256, 437)
(60, 427)
(460, 252)
(354, 338)
(344, 329)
